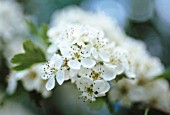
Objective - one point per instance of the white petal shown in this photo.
(110, 66)
(66, 75)
(12, 85)
(56, 60)
(52, 49)
(101, 86)
(87, 51)
(74, 64)
(20, 75)
(109, 74)
(60, 77)
(104, 56)
(65, 51)
(94, 52)
(46, 73)
(50, 83)
(130, 74)
(84, 72)
(80, 85)
(88, 63)
(73, 73)
(83, 82)
(119, 69)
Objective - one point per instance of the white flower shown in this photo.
(92, 89)
(52, 70)
(98, 47)
(120, 63)
(143, 64)
(158, 95)
(98, 72)
(120, 92)
(78, 55)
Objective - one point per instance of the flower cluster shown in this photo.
(95, 56)
(84, 55)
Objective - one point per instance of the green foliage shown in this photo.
(40, 33)
(165, 75)
(33, 54)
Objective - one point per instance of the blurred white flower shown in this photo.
(31, 80)
(11, 20)
(120, 92)
(154, 93)
(143, 64)
(12, 28)
(120, 62)
(12, 82)
(76, 15)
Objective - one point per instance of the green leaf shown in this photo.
(165, 75)
(32, 55)
(40, 33)
(43, 34)
(32, 27)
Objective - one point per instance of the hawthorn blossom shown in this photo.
(120, 63)
(98, 72)
(92, 89)
(78, 55)
(52, 70)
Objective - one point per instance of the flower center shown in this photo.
(124, 90)
(95, 75)
(89, 90)
(33, 75)
(115, 60)
(50, 69)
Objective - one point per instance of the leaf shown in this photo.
(165, 75)
(43, 34)
(32, 55)
(40, 33)
(32, 27)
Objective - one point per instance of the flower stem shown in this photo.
(109, 105)
(146, 111)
